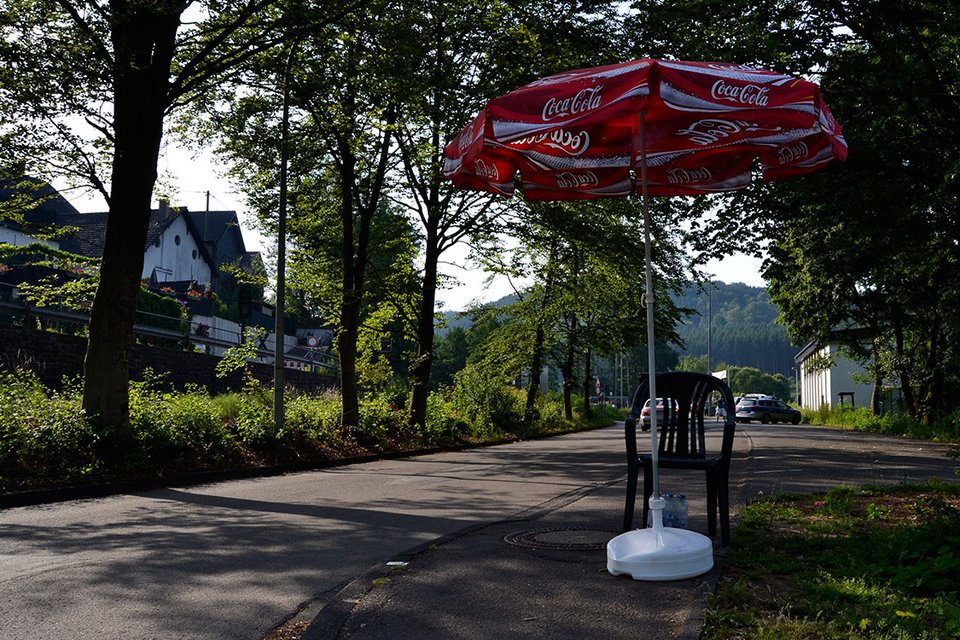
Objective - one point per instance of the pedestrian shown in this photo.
(721, 409)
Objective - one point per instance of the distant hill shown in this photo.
(745, 332)
(456, 319)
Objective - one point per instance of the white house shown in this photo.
(174, 251)
(827, 377)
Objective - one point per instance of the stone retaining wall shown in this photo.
(54, 356)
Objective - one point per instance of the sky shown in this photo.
(193, 177)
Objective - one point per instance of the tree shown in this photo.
(124, 67)
(751, 380)
(586, 263)
(870, 245)
(346, 96)
(470, 52)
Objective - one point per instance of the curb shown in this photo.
(32, 497)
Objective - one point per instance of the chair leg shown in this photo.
(724, 496)
(632, 473)
(647, 492)
(712, 491)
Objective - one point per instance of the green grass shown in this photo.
(946, 429)
(879, 563)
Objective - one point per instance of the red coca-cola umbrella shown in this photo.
(651, 128)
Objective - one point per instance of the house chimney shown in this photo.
(164, 205)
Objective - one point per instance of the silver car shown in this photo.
(645, 412)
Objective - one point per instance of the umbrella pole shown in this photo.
(651, 337)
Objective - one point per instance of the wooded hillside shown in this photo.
(745, 332)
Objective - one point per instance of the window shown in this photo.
(194, 254)
(176, 240)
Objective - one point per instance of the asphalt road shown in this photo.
(231, 560)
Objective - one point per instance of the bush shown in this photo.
(314, 421)
(177, 431)
(44, 438)
(492, 407)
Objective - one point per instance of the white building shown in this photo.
(174, 252)
(827, 377)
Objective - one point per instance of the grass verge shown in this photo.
(879, 563)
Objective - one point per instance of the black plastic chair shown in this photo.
(682, 443)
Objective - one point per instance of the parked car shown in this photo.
(766, 411)
(645, 412)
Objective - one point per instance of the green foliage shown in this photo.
(238, 357)
(45, 440)
(176, 430)
(160, 311)
(485, 401)
(751, 380)
(853, 563)
(450, 352)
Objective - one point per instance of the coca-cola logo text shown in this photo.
(710, 130)
(484, 170)
(469, 136)
(568, 180)
(584, 100)
(686, 176)
(749, 94)
(571, 143)
(792, 153)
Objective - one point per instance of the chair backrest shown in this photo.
(680, 426)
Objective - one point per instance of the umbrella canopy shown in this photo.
(703, 126)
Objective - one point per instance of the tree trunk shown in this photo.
(931, 391)
(347, 348)
(536, 365)
(906, 381)
(567, 371)
(352, 294)
(143, 43)
(587, 383)
(420, 381)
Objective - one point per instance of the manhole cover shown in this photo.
(561, 538)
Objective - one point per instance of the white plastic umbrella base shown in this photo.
(675, 554)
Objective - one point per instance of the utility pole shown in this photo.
(278, 343)
(710, 327)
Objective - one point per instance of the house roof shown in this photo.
(836, 336)
(91, 228)
(213, 225)
(88, 236)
